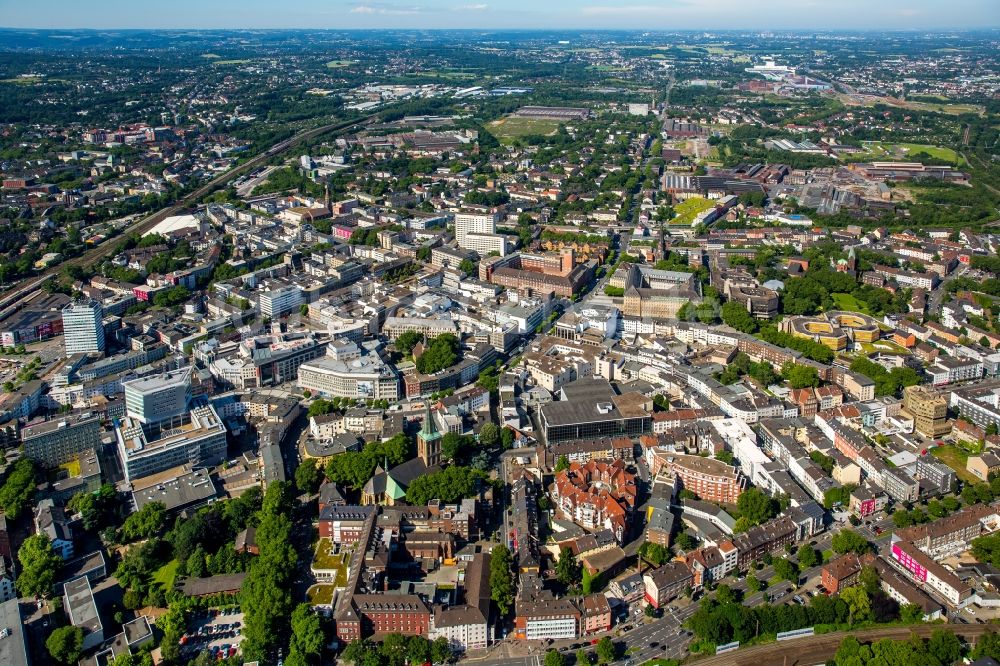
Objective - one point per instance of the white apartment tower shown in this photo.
(83, 329)
(477, 231)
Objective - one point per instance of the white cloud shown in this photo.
(481, 7)
(384, 9)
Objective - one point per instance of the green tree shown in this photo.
(553, 658)
(320, 407)
(18, 488)
(944, 646)
(754, 584)
(562, 464)
(786, 570)
(449, 485)
(502, 579)
(756, 506)
(849, 541)
(394, 649)
(65, 644)
(725, 595)
(440, 650)
(418, 650)
(606, 652)
(911, 613)
(308, 636)
(654, 553)
(869, 580)
(807, 556)
(858, 603)
(129, 659)
(988, 645)
(266, 592)
(145, 523)
(489, 435)
(440, 353)
(308, 476)
(407, 341)
(582, 658)
(685, 541)
(455, 446)
(737, 316)
(39, 565)
(467, 266)
(568, 570)
(800, 376)
(195, 564)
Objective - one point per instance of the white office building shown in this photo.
(198, 439)
(158, 398)
(83, 331)
(275, 303)
(364, 377)
(478, 232)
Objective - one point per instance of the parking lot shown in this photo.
(216, 631)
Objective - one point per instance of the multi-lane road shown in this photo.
(20, 293)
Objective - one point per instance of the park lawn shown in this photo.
(879, 151)
(848, 303)
(165, 575)
(229, 62)
(336, 64)
(956, 458)
(688, 209)
(507, 130)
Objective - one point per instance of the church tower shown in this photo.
(429, 440)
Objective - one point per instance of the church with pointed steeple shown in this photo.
(429, 440)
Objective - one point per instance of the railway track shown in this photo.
(24, 292)
(817, 649)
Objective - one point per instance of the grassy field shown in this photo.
(165, 575)
(688, 209)
(507, 130)
(945, 107)
(211, 56)
(218, 63)
(956, 458)
(848, 303)
(876, 150)
(31, 80)
(336, 64)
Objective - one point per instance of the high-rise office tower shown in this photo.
(83, 330)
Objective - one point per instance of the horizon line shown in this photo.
(934, 30)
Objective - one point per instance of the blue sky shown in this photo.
(570, 14)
